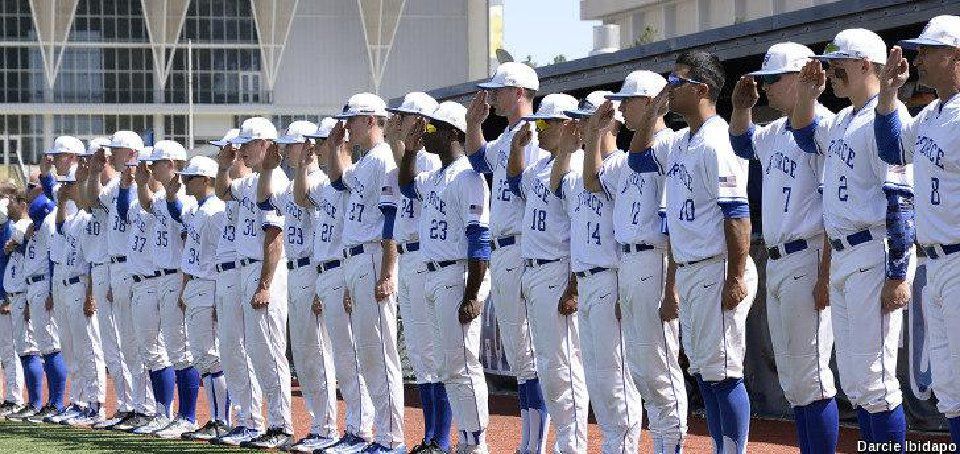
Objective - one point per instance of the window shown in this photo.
(177, 128)
(90, 126)
(109, 20)
(16, 23)
(21, 75)
(212, 21)
(105, 75)
(221, 76)
(23, 133)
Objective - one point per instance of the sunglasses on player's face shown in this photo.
(769, 79)
(675, 80)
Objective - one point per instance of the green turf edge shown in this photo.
(24, 437)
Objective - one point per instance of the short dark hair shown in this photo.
(529, 94)
(704, 67)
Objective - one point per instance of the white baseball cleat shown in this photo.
(159, 423)
(176, 429)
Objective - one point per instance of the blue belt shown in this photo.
(226, 266)
(505, 241)
(434, 266)
(933, 253)
(118, 259)
(539, 262)
(353, 251)
(693, 262)
(412, 246)
(591, 271)
(245, 262)
(158, 273)
(639, 247)
(328, 265)
(36, 278)
(298, 263)
(785, 249)
(72, 280)
(853, 239)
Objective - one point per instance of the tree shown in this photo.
(560, 58)
(529, 61)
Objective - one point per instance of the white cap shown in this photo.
(784, 58)
(67, 145)
(362, 104)
(94, 145)
(941, 31)
(4, 206)
(589, 105)
(324, 129)
(200, 166)
(856, 43)
(513, 74)
(126, 139)
(145, 155)
(229, 136)
(640, 83)
(255, 128)
(19, 228)
(452, 113)
(168, 150)
(553, 107)
(297, 131)
(417, 103)
(70, 177)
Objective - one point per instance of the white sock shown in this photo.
(217, 398)
(524, 429)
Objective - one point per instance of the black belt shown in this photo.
(353, 251)
(434, 266)
(504, 241)
(226, 266)
(933, 253)
(72, 280)
(245, 262)
(853, 239)
(638, 247)
(694, 262)
(412, 246)
(158, 273)
(298, 263)
(36, 278)
(12, 294)
(530, 263)
(785, 249)
(591, 271)
(118, 259)
(328, 265)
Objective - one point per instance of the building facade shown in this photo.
(90, 67)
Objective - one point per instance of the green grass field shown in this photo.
(17, 437)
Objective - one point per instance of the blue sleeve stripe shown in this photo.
(478, 242)
(743, 143)
(886, 130)
(410, 191)
(338, 184)
(735, 210)
(806, 137)
(901, 233)
(123, 204)
(478, 160)
(559, 191)
(389, 215)
(644, 162)
(514, 183)
(266, 205)
(176, 210)
(47, 182)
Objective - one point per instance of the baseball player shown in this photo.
(308, 341)
(203, 223)
(548, 285)
(511, 93)
(12, 332)
(594, 261)
(708, 220)
(263, 276)
(455, 237)
(929, 141)
(96, 249)
(332, 307)
(651, 336)
(124, 147)
(870, 278)
(798, 258)
(242, 384)
(418, 316)
(73, 289)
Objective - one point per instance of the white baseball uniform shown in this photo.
(238, 370)
(309, 341)
(652, 346)
(792, 223)
(594, 260)
(854, 215)
(546, 252)
(61, 310)
(701, 172)
(328, 212)
(506, 213)
(145, 303)
(24, 342)
(417, 315)
(929, 141)
(372, 184)
(121, 291)
(264, 330)
(452, 199)
(167, 252)
(36, 270)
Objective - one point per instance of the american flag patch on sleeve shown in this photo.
(386, 190)
(475, 209)
(728, 181)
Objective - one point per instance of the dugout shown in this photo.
(741, 47)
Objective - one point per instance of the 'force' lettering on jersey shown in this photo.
(453, 198)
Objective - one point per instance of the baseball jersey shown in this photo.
(118, 231)
(328, 211)
(251, 220)
(14, 279)
(167, 232)
(452, 198)
(226, 245)
(792, 206)
(702, 172)
(36, 256)
(141, 241)
(372, 183)
(638, 198)
(854, 176)
(546, 226)
(54, 242)
(506, 210)
(72, 234)
(95, 241)
(298, 230)
(204, 226)
(930, 141)
(592, 242)
(407, 223)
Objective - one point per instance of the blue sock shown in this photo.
(163, 382)
(429, 410)
(33, 378)
(734, 405)
(890, 425)
(863, 420)
(823, 425)
(522, 395)
(56, 372)
(539, 418)
(444, 417)
(712, 409)
(535, 396)
(800, 419)
(188, 388)
(955, 429)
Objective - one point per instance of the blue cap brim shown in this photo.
(914, 44)
(579, 114)
(286, 140)
(490, 85)
(312, 136)
(769, 72)
(219, 143)
(543, 117)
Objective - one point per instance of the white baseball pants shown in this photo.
(418, 317)
(511, 311)
(45, 328)
(172, 320)
(107, 315)
(10, 362)
(238, 370)
(199, 296)
(941, 310)
(121, 289)
(87, 351)
(24, 342)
